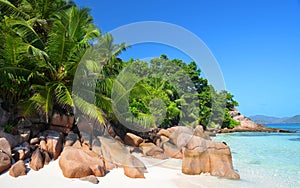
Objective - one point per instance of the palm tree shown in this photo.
(44, 41)
(23, 40)
(69, 38)
(96, 74)
(15, 52)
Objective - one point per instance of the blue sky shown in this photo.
(256, 43)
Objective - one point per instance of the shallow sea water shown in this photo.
(264, 160)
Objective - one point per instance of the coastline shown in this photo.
(248, 129)
(265, 159)
(159, 175)
(246, 125)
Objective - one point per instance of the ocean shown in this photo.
(264, 160)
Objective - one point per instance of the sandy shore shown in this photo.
(160, 174)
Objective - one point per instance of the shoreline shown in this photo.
(159, 175)
(257, 154)
(247, 125)
(243, 129)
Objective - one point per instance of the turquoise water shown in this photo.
(265, 160)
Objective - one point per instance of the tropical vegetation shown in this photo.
(42, 47)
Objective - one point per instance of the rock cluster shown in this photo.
(199, 153)
(113, 152)
(247, 125)
(96, 150)
(29, 141)
(193, 145)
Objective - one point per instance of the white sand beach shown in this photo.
(160, 174)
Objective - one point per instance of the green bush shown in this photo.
(8, 128)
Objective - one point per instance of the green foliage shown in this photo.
(43, 43)
(9, 128)
(228, 122)
(181, 91)
(214, 106)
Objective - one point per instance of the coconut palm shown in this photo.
(45, 42)
(23, 41)
(14, 54)
(69, 38)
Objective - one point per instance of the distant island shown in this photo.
(262, 119)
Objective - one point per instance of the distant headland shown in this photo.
(273, 120)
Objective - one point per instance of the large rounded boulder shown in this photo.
(77, 163)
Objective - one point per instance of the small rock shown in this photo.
(43, 145)
(12, 140)
(18, 169)
(5, 162)
(132, 140)
(34, 141)
(47, 158)
(92, 179)
(134, 168)
(5, 146)
(37, 160)
(211, 133)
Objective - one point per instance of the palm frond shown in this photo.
(29, 107)
(9, 9)
(107, 48)
(63, 96)
(89, 109)
(27, 32)
(13, 49)
(44, 98)
(59, 46)
(36, 52)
